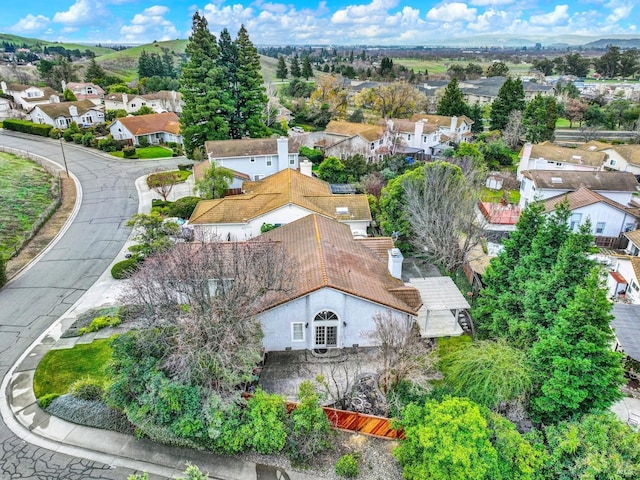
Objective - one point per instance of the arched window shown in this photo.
(325, 325)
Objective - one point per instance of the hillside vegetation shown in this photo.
(34, 42)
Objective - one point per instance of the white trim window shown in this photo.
(268, 161)
(297, 331)
(600, 228)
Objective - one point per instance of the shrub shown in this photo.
(110, 145)
(67, 135)
(3, 272)
(185, 166)
(92, 413)
(347, 466)
(77, 138)
(313, 154)
(264, 430)
(183, 207)
(125, 268)
(55, 133)
(88, 139)
(143, 142)
(46, 400)
(25, 126)
(99, 323)
(129, 152)
(87, 389)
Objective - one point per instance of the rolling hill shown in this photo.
(34, 42)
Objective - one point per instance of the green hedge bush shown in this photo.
(99, 323)
(347, 466)
(87, 389)
(25, 126)
(129, 152)
(124, 269)
(182, 207)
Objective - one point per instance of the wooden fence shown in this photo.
(358, 422)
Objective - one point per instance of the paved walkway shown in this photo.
(26, 420)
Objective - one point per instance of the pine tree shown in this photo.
(294, 67)
(510, 97)
(94, 73)
(251, 100)
(307, 71)
(206, 98)
(452, 102)
(281, 69)
(228, 63)
(576, 369)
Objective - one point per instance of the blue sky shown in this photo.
(372, 22)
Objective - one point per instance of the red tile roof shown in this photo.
(152, 123)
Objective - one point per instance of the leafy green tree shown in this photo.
(264, 428)
(629, 62)
(598, 446)
(69, 96)
(608, 65)
(497, 153)
(332, 170)
(251, 99)
(151, 233)
(94, 73)
(446, 441)
(539, 119)
(207, 102)
(452, 102)
(510, 97)
(488, 373)
(393, 215)
(281, 68)
(543, 65)
(473, 70)
(576, 370)
(497, 69)
(214, 182)
(307, 71)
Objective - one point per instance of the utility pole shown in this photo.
(64, 158)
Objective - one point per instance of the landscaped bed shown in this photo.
(147, 153)
(26, 192)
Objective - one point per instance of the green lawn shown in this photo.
(182, 176)
(148, 152)
(440, 66)
(60, 368)
(562, 123)
(494, 196)
(26, 190)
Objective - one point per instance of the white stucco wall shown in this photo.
(616, 162)
(355, 312)
(614, 220)
(259, 165)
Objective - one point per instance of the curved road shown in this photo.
(42, 293)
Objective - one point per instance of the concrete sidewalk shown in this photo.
(26, 420)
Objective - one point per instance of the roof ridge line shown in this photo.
(323, 263)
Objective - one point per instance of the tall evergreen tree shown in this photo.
(94, 73)
(228, 63)
(576, 369)
(539, 119)
(452, 102)
(281, 69)
(294, 67)
(206, 99)
(307, 71)
(510, 97)
(251, 100)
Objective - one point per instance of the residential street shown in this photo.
(32, 302)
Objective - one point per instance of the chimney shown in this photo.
(3, 84)
(125, 100)
(419, 130)
(283, 153)
(395, 262)
(454, 127)
(73, 111)
(524, 160)
(64, 86)
(174, 95)
(306, 167)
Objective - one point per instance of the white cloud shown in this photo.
(229, 16)
(559, 16)
(30, 23)
(619, 10)
(490, 3)
(150, 25)
(491, 21)
(357, 13)
(83, 12)
(451, 13)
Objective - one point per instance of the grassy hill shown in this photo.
(124, 63)
(34, 42)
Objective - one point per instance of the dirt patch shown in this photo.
(48, 231)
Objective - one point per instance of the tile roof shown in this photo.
(378, 245)
(349, 129)
(246, 147)
(633, 236)
(285, 187)
(572, 180)
(326, 255)
(555, 153)
(55, 110)
(593, 146)
(582, 198)
(441, 120)
(404, 125)
(152, 123)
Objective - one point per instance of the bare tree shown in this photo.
(442, 212)
(402, 353)
(206, 297)
(514, 130)
(337, 379)
(589, 132)
(163, 183)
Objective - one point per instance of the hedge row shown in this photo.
(25, 126)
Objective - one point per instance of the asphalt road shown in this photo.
(32, 302)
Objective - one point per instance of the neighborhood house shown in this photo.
(155, 128)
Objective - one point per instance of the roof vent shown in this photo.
(556, 180)
(342, 210)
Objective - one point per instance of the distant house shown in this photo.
(278, 199)
(458, 129)
(609, 219)
(485, 90)
(547, 156)
(60, 115)
(345, 139)
(28, 96)
(539, 185)
(430, 135)
(159, 102)
(253, 158)
(340, 284)
(155, 128)
(85, 91)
